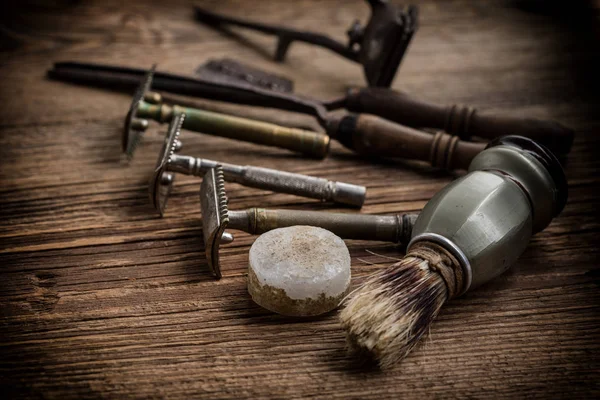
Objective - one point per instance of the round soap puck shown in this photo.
(299, 271)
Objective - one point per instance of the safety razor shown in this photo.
(148, 105)
(170, 162)
(216, 217)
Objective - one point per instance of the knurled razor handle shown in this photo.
(300, 185)
(275, 180)
(307, 142)
(385, 228)
(378, 137)
(460, 120)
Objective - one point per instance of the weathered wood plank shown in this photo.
(101, 298)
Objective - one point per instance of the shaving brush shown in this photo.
(467, 234)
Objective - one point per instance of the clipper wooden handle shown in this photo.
(463, 121)
(374, 136)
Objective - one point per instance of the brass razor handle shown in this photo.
(463, 121)
(373, 136)
(275, 180)
(385, 228)
(303, 141)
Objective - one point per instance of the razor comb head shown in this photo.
(215, 215)
(132, 134)
(162, 180)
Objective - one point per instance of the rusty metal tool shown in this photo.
(170, 162)
(216, 217)
(463, 121)
(379, 46)
(228, 70)
(148, 105)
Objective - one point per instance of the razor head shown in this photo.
(215, 216)
(162, 180)
(134, 128)
(385, 40)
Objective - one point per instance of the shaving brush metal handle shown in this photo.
(373, 136)
(386, 228)
(485, 219)
(307, 142)
(463, 121)
(468, 233)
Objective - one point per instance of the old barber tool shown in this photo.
(365, 134)
(461, 120)
(470, 232)
(148, 105)
(228, 70)
(216, 218)
(378, 47)
(395, 106)
(170, 162)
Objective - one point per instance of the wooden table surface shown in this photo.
(102, 298)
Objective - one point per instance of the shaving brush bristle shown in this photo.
(386, 316)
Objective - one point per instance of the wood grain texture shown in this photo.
(101, 298)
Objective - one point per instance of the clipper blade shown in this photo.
(162, 180)
(132, 137)
(215, 215)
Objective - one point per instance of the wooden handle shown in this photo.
(463, 121)
(374, 136)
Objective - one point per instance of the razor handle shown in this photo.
(299, 185)
(302, 141)
(377, 137)
(274, 180)
(463, 121)
(385, 228)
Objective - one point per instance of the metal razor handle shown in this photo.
(386, 228)
(275, 180)
(463, 121)
(300, 185)
(303, 141)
